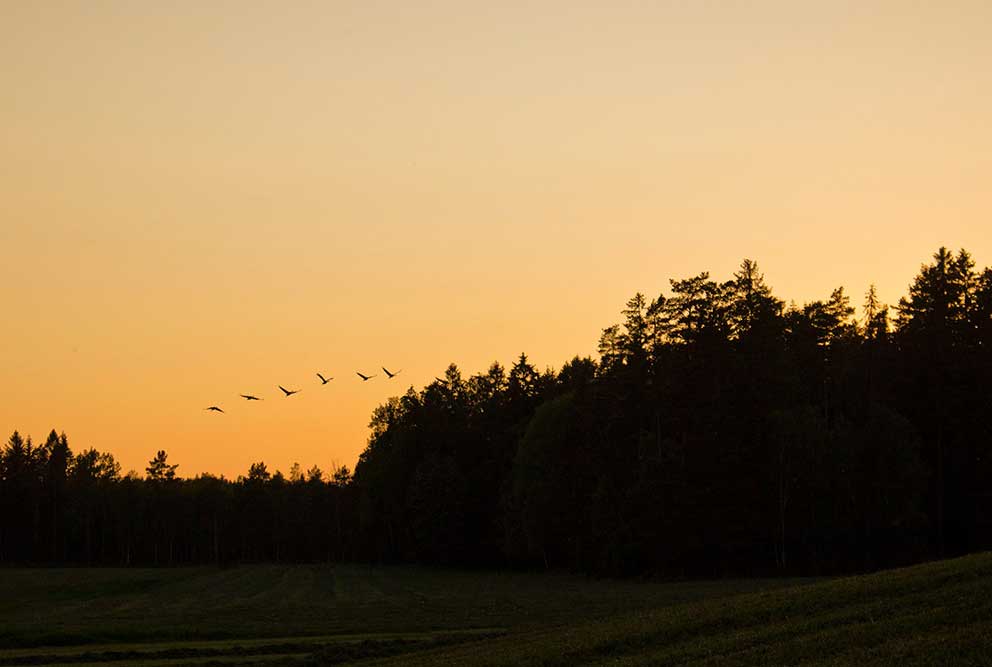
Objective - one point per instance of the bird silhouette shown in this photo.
(249, 397)
(365, 378)
(214, 408)
(392, 375)
(324, 380)
(287, 391)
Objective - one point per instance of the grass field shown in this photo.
(931, 614)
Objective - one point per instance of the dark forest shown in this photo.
(722, 432)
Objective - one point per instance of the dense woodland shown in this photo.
(721, 432)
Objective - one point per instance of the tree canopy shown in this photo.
(720, 431)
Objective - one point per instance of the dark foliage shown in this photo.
(721, 432)
(57, 507)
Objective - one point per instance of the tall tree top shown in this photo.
(752, 302)
(940, 297)
(159, 469)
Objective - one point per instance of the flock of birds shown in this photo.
(290, 392)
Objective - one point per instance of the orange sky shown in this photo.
(199, 199)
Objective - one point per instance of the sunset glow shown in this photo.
(201, 202)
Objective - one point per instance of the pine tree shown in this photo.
(159, 469)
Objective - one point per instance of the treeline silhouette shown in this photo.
(721, 432)
(56, 507)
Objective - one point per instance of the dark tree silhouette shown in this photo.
(159, 469)
(720, 432)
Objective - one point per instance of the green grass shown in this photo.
(50, 607)
(931, 614)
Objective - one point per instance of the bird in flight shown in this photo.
(249, 397)
(287, 391)
(324, 380)
(365, 378)
(214, 408)
(392, 375)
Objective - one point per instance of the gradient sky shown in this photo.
(199, 199)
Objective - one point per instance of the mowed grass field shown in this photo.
(933, 614)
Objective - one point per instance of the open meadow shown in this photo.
(930, 614)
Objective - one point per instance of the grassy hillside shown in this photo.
(932, 614)
(296, 610)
